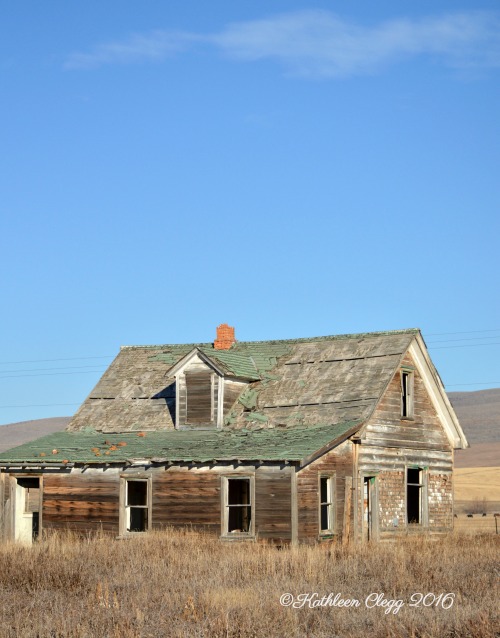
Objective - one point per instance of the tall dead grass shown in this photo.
(184, 583)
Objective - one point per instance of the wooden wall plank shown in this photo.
(273, 504)
(85, 502)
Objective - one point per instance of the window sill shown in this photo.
(126, 535)
(237, 537)
(326, 536)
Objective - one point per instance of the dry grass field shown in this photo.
(476, 483)
(477, 492)
(179, 584)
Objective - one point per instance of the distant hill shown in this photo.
(15, 434)
(479, 416)
(478, 412)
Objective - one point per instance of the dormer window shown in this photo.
(199, 392)
(204, 392)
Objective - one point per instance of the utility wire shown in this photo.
(465, 345)
(109, 356)
(454, 385)
(39, 405)
(467, 339)
(464, 332)
(96, 365)
(49, 374)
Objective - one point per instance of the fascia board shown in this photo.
(437, 393)
(196, 352)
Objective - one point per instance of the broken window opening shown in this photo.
(239, 506)
(136, 505)
(414, 485)
(326, 490)
(406, 394)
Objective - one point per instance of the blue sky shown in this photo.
(293, 169)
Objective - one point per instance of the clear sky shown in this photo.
(292, 168)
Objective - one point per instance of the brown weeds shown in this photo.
(186, 583)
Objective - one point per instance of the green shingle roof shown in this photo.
(248, 360)
(197, 446)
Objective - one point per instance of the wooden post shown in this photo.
(347, 510)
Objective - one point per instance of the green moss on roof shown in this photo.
(244, 359)
(197, 446)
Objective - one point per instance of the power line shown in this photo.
(111, 356)
(51, 369)
(464, 332)
(465, 339)
(453, 385)
(49, 374)
(466, 345)
(4, 363)
(39, 405)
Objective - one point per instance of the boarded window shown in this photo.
(137, 506)
(239, 506)
(199, 397)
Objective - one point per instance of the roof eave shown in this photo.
(331, 445)
(437, 392)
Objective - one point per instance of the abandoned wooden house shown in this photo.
(345, 437)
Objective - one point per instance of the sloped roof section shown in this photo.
(185, 446)
(297, 382)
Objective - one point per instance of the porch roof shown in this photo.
(192, 446)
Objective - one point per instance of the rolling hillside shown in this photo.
(15, 434)
(479, 415)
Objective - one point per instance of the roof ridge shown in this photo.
(354, 335)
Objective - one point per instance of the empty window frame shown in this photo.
(406, 394)
(414, 496)
(238, 506)
(326, 504)
(137, 517)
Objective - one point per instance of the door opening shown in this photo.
(27, 510)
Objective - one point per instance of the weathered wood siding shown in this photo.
(82, 501)
(273, 504)
(187, 497)
(391, 444)
(193, 497)
(386, 427)
(339, 462)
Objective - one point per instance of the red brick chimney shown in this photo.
(225, 337)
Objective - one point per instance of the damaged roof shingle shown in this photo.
(311, 381)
